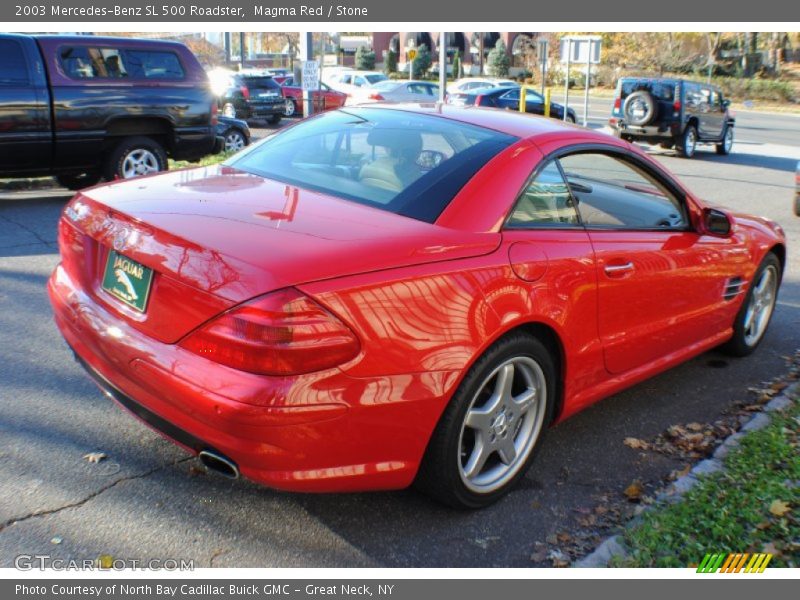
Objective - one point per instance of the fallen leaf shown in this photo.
(636, 443)
(779, 508)
(770, 548)
(695, 427)
(763, 525)
(564, 538)
(634, 491)
(95, 457)
(105, 561)
(56, 540)
(558, 558)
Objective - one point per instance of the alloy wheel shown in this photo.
(234, 142)
(760, 306)
(139, 161)
(502, 424)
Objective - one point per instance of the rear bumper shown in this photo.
(665, 131)
(323, 432)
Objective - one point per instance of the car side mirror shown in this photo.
(717, 222)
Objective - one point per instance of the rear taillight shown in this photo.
(676, 107)
(617, 103)
(245, 92)
(479, 101)
(376, 97)
(282, 333)
(214, 113)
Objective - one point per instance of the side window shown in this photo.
(546, 202)
(359, 81)
(512, 95)
(151, 64)
(616, 194)
(13, 67)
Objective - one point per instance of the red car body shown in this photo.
(423, 300)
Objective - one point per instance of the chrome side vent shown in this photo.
(733, 287)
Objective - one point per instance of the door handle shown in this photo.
(618, 269)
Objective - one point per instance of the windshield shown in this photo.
(402, 162)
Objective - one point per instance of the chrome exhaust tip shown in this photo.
(219, 464)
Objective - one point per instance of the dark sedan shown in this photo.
(508, 98)
(234, 132)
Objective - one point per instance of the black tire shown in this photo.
(570, 119)
(291, 108)
(739, 344)
(724, 147)
(640, 108)
(686, 144)
(78, 181)
(229, 110)
(235, 140)
(440, 474)
(797, 204)
(116, 166)
(274, 119)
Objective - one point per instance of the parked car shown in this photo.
(356, 84)
(466, 84)
(797, 190)
(508, 98)
(253, 96)
(673, 113)
(384, 295)
(323, 99)
(403, 91)
(234, 132)
(82, 108)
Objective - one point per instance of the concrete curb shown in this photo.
(614, 546)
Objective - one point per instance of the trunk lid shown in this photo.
(217, 236)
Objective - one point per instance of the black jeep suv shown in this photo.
(673, 113)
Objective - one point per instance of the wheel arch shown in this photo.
(779, 250)
(160, 129)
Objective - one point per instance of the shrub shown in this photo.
(456, 65)
(365, 59)
(390, 64)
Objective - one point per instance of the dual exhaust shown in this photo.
(218, 463)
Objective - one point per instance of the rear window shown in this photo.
(13, 67)
(261, 83)
(87, 62)
(405, 163)
(660, 89)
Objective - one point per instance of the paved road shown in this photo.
(147, 499)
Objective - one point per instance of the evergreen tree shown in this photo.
(498, 60)
(365, 59)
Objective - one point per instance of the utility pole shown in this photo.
(241, 49)
(442, 64)
(480, 54)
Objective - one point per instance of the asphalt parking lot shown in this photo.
(148, 499)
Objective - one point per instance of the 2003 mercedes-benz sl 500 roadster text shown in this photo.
(402, 294)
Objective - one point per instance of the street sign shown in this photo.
(310, 75)
(581, 49)
(412, 54)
